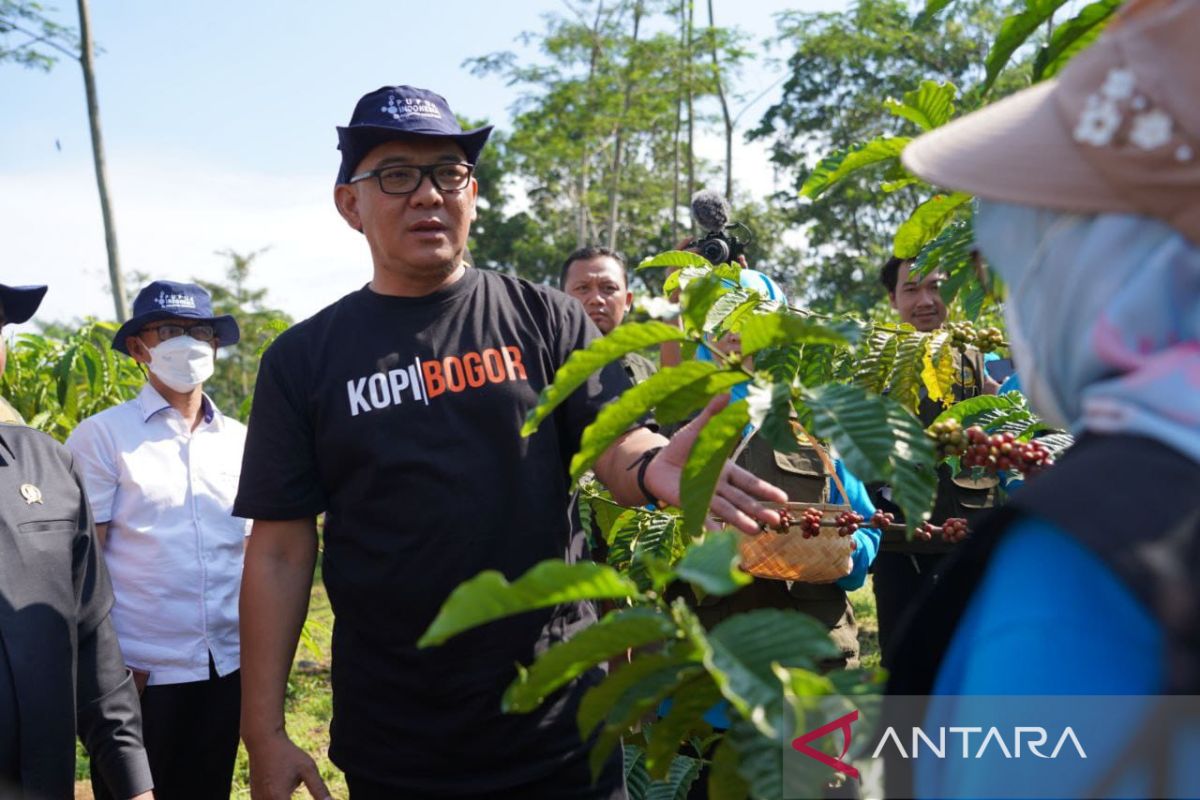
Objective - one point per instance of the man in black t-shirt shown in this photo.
(397, 411)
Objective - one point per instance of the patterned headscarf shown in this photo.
(1104, 317)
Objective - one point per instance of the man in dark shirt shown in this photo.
(61, 670)
(903, 570)
(397, 411)
(597, 277)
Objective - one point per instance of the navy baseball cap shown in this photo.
(401, 112)
(167, 300)
(20, 302)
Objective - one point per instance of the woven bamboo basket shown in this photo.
(791, 557)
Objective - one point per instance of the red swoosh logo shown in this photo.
(800, 744)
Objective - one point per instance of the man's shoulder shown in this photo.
(231, 425)
(301, 335)
(120, 414)
(26, 442)
(515, 286)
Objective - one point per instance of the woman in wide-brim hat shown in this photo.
(1086, 583)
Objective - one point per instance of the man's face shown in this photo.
(150, 336)
(415, 235)
(599, 283)
(919, 304)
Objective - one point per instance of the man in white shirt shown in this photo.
(161, 473)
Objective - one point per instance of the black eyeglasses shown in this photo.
(201, 331)
(450, 177)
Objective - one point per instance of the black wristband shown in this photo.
(642, 462)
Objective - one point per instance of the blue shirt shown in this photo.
(865, 539)
(1049, 618)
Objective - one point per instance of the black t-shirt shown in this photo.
(400, 418)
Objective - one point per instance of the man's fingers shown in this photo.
(715, 405)
(312, 781)
(754, 485)
(735, 496)
(734, 516)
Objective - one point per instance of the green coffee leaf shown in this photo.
(582, 363)
(929, 106)
(607, 639)
(1073, 36)
(927, 222)
(689, 380)
(704, 464)
(785, 328)
(1014, 32)
(834, 168)
(489, 596)
(712, 564)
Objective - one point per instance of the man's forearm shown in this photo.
(617, 468)
(276, 582)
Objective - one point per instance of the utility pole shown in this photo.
(116, 279)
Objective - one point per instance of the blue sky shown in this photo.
(218, 119)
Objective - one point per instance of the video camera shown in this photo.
(723, 241)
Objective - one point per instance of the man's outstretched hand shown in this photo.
(739, 495)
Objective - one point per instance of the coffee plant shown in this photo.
(851, 383)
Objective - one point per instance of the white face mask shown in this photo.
(182, 363)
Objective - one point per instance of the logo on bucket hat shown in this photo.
(400, 112)
(168, 299)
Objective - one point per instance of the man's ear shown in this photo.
(137, 349)
(628, 299)
(473, 187)
(892, 300)
(346, 200)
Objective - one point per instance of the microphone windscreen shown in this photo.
(710, 210)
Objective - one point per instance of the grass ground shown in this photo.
(308, 707)
(309, 704)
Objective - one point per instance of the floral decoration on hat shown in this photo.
(1105, 112)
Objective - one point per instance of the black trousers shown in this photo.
(571, 782)
(191, 736)
(899, 580)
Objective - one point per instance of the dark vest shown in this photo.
(958, 495)
(1132, 501)
(804, 477)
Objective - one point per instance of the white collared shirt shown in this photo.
(174, 550)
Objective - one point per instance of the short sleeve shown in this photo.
(279, 479)
(576, 331)
(92, 450)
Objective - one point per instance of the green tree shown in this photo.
(28, 37)
(232, 384)
(597, 152)
(66, 374)
(843, 68)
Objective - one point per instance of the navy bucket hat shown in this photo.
(20, 302)
(401, 112)
(168, 300)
